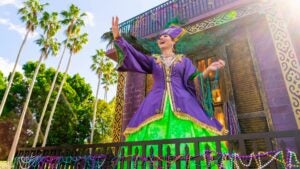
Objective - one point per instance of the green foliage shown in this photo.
(73, 116)
(76, 42)
(188, 44)
(109, 77)
(73, 19)
(104, 123)
(82, 89)
(141, 43)
(144, 45)
(108, 37)
(30, 13)
(99, 60)
(50, 26)
(105, 70)
(2, 82)
(175, 21)
(16, 95)
(29, 68)
(192, 43)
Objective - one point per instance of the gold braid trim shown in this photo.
(185, 116)
(183, 32)
(178, 58)
(129, 130)
(180, 115)
(159, 61)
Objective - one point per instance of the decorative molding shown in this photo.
(117, 123)
(224, 18)
(286, 54)
(285, 51)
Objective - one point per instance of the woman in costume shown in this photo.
(173, 108)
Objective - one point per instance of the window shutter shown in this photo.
(244, 81)
(247, 94)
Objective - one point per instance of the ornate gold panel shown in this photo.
(286, 54)
(117, 127)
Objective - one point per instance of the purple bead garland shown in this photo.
(208, 157)
(98, 160)
(187, 160)
(288, 159)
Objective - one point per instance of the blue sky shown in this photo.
(98, 21)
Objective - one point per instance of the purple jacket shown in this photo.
(178, 83)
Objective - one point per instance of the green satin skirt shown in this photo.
(171, 127)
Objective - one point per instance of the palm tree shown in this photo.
(75, 44)
(29, 14)
(48, 22)
(50, 25)
(109, 77)
(72, 19)
(108, 37)
(99, 60)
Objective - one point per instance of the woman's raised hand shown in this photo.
(115, 27)
(216, 65)
(213, 67)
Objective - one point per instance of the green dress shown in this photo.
(181, 114)
(171, 127)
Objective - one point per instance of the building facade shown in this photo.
(259, 41)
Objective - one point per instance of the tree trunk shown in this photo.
(105, 94)
(48, 99)
(55, 102)
(13, 74)
(95, 110)
(19, 129)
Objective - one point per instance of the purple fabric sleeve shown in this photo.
(189, 70)
(198, 87)
(130, 59)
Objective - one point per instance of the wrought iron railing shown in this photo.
(154, 20)
(257, 150)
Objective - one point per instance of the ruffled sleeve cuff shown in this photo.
(120, 54)
(197, 73)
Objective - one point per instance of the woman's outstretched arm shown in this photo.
(129, 59)
(198, 84)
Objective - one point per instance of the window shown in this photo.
(202, 64)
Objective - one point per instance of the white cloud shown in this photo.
(6, 66)
(14, 27)
(15, 3)
(89, 19)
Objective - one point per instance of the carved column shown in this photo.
(117, 123)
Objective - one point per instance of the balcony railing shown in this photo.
(154, 20)
(149, 23)
(271, 150)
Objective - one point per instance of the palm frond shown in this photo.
(108, 37)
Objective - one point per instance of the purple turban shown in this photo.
(175, 32)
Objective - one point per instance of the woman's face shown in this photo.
(165, 42)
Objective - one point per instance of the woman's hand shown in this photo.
(115, 27)
(216, 65)
(213, 67)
